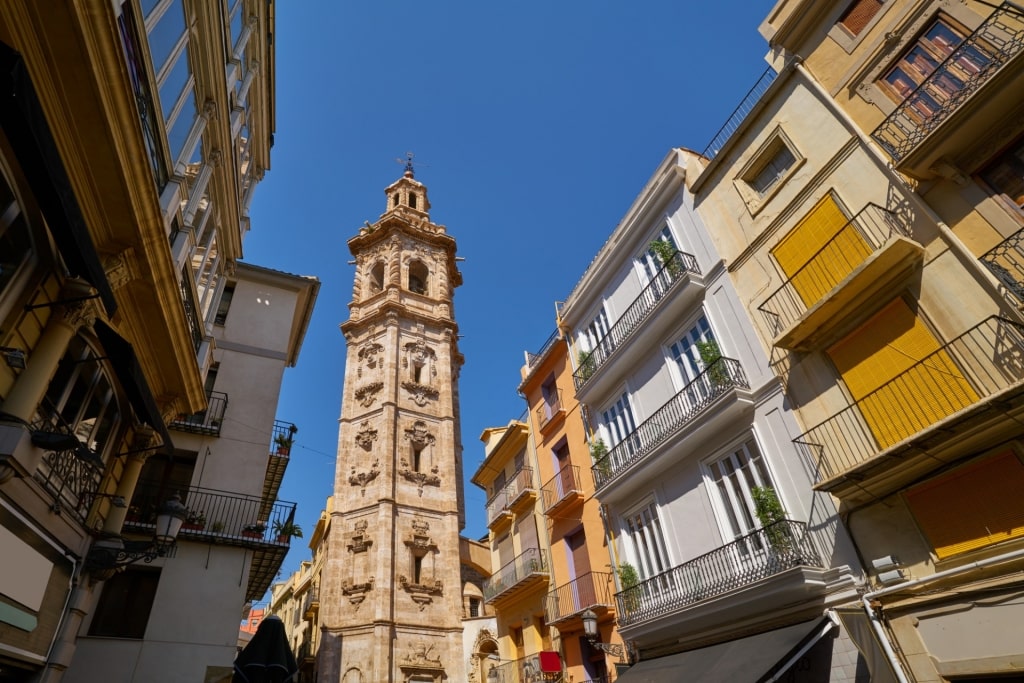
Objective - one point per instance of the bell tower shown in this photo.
(391, 594)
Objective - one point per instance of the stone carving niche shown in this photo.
(417, 464)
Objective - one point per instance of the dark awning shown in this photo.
(26, 129)
(754, 658)
(129, 373)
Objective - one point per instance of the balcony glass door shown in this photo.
(734, 477)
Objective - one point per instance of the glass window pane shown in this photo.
(166, 34)
(179, 130)
(174, 83)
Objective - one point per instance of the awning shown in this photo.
(756, 658)
(858, 627)
(26, 129)
(129, 374)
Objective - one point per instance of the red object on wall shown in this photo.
(550, 663)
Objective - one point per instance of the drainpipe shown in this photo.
(876, 621)
(951, 239)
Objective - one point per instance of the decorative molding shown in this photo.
(120, 269)
(421, 593)
(360, 541)
(418, 657)
(420, 393)
(369, 355)
(356, 592)
(366, 435)
(419, 539)
(367, 393)
(361, 479)
(421, 479)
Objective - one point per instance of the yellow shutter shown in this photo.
(898, 394)
(971, 507)
(820, 243)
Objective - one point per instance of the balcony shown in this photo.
(533, 358)
(593, 590)
(1006, 262)
(957, 105)
(550, 412)
(527, 571)
(679, 270)
(869, 255)
(542, 666)
(282, 437)
(206, 422)
(517, 493)
(311, 605)
(757, 558)
(223, 518)
(715, 386)
(951, 402)
(562, 491)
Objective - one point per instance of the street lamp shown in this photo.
(594, 636)
(111, 552)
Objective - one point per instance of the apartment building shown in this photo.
(518, 585)
(582, 584)
(869, 210)
(727, 560)
(133, 136)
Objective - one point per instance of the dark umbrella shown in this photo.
(267, 658)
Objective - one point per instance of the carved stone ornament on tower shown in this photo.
(369, 356)
(367, 393)
(366, 435)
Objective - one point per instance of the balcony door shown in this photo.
(619, 424)
(733, 478)
(686, 354)
(563, 465)
(579, 568)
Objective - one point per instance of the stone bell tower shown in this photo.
(390, 589)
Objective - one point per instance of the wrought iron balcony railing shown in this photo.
(750, 100)
(206, 422)
(998, 40)
(756, 556)
(842, 254)
(985, 360)
(1006, 261)
(520, 483)
(590, 590)
(719, 377)
(524, 670)
(228, 517)
(548, 409)
(70, 471)
(564, 484)
(534, 358)
(661, 284)
(282, 437)
(529, 563)
(311, 604)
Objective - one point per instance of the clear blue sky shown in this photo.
(536, 124)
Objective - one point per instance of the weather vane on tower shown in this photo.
(409, 164)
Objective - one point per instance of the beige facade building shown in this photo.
(391, 586)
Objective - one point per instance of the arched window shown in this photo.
(412, 200)
(377, 278)
(418, 277)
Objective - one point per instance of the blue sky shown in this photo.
(534, 125)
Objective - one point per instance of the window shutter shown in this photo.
(858, 14)
(817, 243)
(972, 507)
(893, 343)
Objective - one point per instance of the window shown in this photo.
(733, 477)
(82, 397)
(686, 351)
(417, 457)
(820, 250)
(859, 14)
(971, 507)
(777, 160)
(1005, 176)
(618, 420)
(595, 331)
(922, 58)
(474, 607)
(418, 275)
(896, 342)
(649, 263)
(377, 278)
(225, 304)
(168, 42)
(124, 606)
(647, 541)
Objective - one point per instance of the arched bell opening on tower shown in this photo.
(418, 277)
(377, 278)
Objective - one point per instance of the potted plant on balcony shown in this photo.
(665, 253)
(285, 529)
(710, 357)
(255, 530)
(628, 579)
(770, 513)
(586, 364)
(195, 520)
(284, 442)
(598, 451)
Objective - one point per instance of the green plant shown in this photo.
(287, 528)
(284, 442)
(196, 518)
(598, 453)
(665, 253)
(586, 364)
(217, 527)
(628, 580)
(770, 513)
(710, 355)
